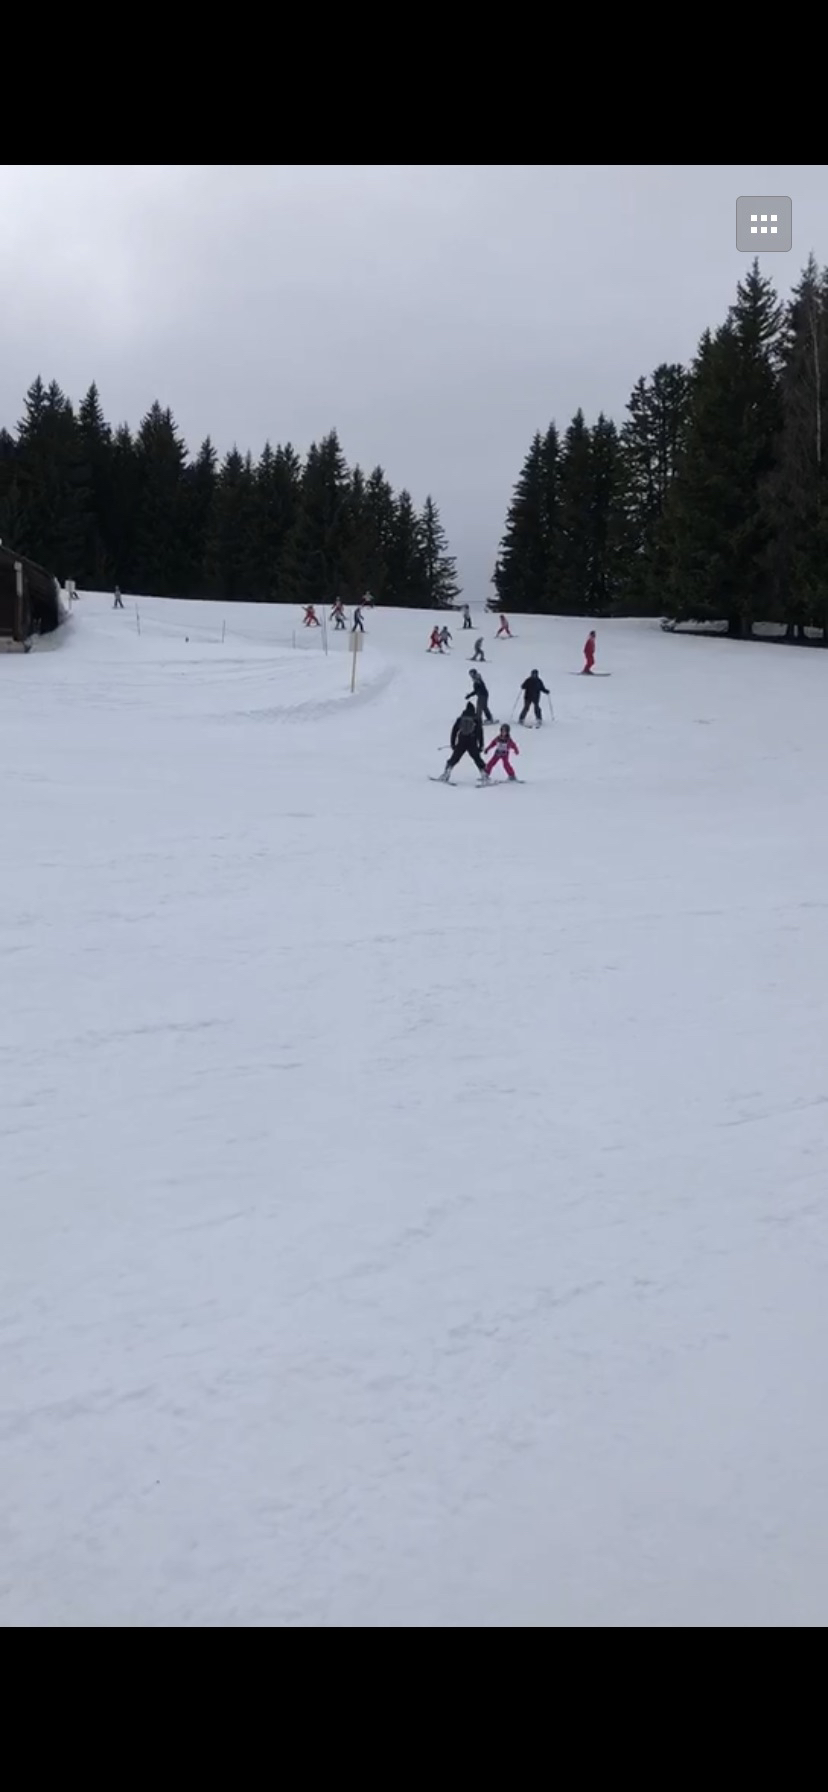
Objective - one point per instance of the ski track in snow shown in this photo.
(413, 1208)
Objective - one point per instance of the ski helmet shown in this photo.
(504, 728)
(534, 673)
(470, 710)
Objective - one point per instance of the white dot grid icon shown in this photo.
(757, 220)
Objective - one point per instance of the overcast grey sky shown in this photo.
(435, 315)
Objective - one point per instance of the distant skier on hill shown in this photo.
(358, 623)
(436, 641)
(119, 602)
(532, 687)
(311, 620)
(500, 749)
(480, 697)
(478, 650)
(466, 737)
(504, 628)
(467, 621)
(445, 637)
(338, 614)
(589, 651)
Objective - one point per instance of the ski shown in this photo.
(590, 674)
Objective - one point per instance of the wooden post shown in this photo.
(356, 637)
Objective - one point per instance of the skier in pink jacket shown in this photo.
(500, 750)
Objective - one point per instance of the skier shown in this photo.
(532, 688)
(467, 621)
(479, 695)
(445, 637)
(504, 628)
(119, 602)
(435, 641)
(466, 737)
(358, 622)
(338, 614)
(478, 650)
(589, 651)
(311, 619)
(500, 749)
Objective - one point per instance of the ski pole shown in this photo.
(551, 710)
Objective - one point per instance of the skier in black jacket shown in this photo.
(466, 737)
(480, 696)
(532, 687)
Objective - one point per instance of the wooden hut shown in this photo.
(31, 602)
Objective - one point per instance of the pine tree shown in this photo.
(10, 501)
(54, 497)
(652, 439)
(276, 499)
(798, 552)
(228, 558)
(552, 518)
(609, 530)
(718, 515)
(200, 488)
(381, 507)
(576, 592)
(96, 446)
(161, 543)
(122, 521)
(521, 573)
(359, 542)
(407, 584)
(439, 566)
(315, 552)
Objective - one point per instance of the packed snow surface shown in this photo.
(413, 1199)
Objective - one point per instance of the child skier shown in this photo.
(532, 688)
(504, 628)
(119, 602)
(338, 614)
(478, 650)
(358, 623)
(500, 749)
(466, 737)
(311, 618)
(467, 621)
(589, 651)
(445, 637)
(436, 641)
(480, 696)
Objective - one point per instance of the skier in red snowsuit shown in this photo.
(311, 618)
(436, 641)
(500, 749)
(589, 651)
(504, 628)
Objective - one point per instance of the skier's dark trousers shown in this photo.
(466, 737)
(532, 688)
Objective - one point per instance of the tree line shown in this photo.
(710, 502)
(107, 506)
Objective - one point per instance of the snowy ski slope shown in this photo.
(412, 1200)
